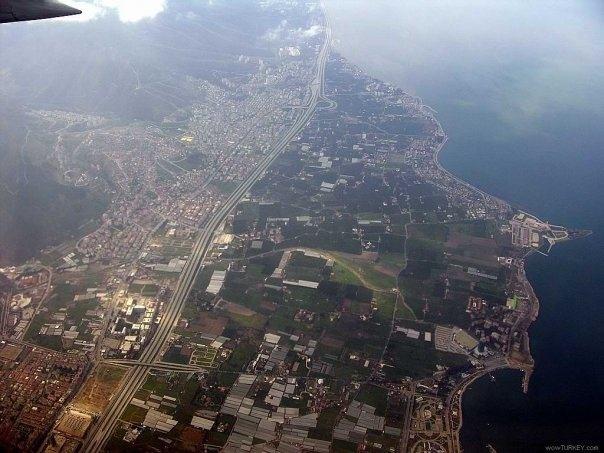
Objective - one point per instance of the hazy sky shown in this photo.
(516, 53)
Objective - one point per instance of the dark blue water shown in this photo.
(519, 87)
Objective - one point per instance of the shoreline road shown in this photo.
(102, 430)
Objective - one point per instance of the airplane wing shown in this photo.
(18, 10)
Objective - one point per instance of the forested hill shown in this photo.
(35, 209)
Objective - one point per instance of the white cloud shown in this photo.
(282, 31)
(90, 11)
(134, 10)
(312, 31)
(127, 10)
(273, 34)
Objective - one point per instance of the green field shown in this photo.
(255, 321)
(385, 306)
(342, 274)
(366, 271)
(243, 354)
(374, 396)
(416, 358)
(147, 290)
(396, 260)
(133, 414)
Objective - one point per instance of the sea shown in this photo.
(519, 88)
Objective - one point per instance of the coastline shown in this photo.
(436, 161)
(454, 399)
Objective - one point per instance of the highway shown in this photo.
(168, 366)
(100, 433)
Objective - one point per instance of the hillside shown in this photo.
(35, 210)
(127, 72)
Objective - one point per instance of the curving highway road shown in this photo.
(101, 432)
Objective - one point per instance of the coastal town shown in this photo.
(286, 266)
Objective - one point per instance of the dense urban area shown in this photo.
(280, 263)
